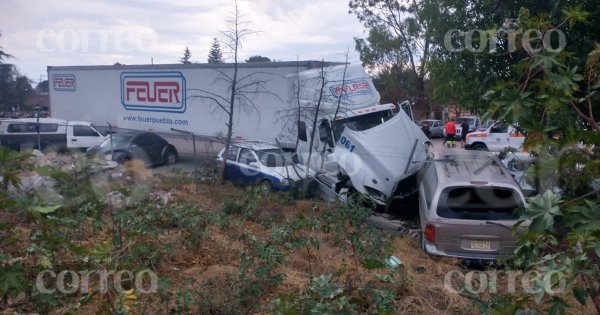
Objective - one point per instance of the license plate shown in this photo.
(481, 245)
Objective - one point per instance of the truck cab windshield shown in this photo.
(361, 123)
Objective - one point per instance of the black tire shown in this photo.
(479, 147)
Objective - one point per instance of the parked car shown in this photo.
(498, 137)
(436, 127)
(146, 146)
(264, 164)
(468, 205)
(54, 134)
(473, 121)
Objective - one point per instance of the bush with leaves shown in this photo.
(329, 294)
(555, 102)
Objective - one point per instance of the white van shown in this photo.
(54, 134)
(468, 205)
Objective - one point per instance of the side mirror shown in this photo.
(253, 164)
(323, 133)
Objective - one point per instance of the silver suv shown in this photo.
(468, 205)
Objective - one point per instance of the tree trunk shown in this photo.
(233, 92)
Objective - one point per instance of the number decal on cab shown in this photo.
(346, 143)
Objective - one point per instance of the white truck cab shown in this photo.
(360, 146)
(496, 138)
(54, 134)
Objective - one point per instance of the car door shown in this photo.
(249, 167)
(146, 147)
(437, 130)
(137, 148)
(231, 165)
(497, 138)
(515, 138)
(82, 136)
(154, 147)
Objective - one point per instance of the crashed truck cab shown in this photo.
(381, 161)
(365, 147)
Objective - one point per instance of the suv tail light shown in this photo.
(430, 233)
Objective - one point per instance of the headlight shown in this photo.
(108, 156)
(285, 182)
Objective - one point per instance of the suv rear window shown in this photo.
(479, 203)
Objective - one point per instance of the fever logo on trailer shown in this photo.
(64, 82)
(153, 91)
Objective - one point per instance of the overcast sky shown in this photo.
(76, 32)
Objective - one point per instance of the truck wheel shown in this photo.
(479, 147)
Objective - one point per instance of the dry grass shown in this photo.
(218, 260)
(209, 271)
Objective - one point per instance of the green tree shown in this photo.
(14, 87)
(555, 102)
(398, 46)
(258, 58)
(187, 54)
(215, 55)
(42, 86)
(463, 75)
(3, 54)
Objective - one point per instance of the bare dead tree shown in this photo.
(241, 89)
(315, 117)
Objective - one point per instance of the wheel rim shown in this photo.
(171, 158)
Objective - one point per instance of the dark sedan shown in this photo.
(146, 146)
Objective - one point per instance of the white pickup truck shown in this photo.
(495, 138)
(54, 134)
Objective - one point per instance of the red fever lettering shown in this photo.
(152, 92)
(351, 88)
(64, 83)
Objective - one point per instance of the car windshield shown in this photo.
(118, 140)
(479, 203)
(271, 157)
(361, 123)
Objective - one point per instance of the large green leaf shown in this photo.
(541, 210)
(45, 210)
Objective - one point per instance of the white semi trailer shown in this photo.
(360, 144)
(160, 97)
